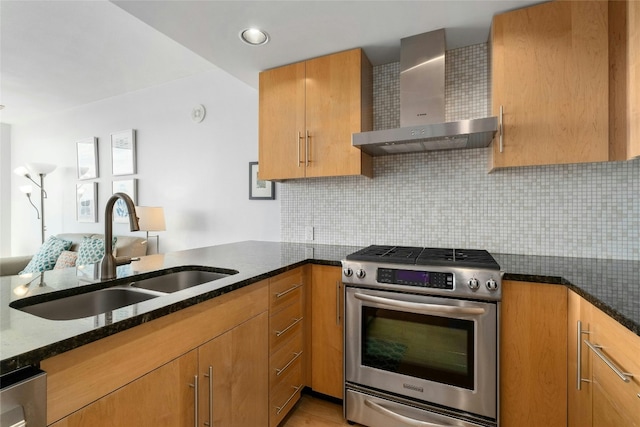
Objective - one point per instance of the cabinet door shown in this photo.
(163, 397)
(615, 402)
(335, 101)
(282, 122)
(327, 330)
(633, 77)
(533, 355)
(578, 362)
(550, 73)
(234, 378)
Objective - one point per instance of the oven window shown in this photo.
(429, 347)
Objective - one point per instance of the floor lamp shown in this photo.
(41, 170)
(151, 218)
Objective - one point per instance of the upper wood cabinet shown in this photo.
(327, 325)
(533, 355)
(308, 112)
(550, 71)
(633, 77)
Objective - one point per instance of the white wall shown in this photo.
(198, 172)
(5, 189)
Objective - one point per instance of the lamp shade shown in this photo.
(26, 189)
(41, 168)
(150, 218)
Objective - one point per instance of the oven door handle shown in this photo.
(401, 418)
(422, 308)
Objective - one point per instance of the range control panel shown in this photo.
(482, 284)
(424, 279)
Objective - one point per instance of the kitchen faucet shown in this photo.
(109, 262)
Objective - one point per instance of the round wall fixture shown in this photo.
(198, 113)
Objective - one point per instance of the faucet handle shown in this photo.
(122, 260)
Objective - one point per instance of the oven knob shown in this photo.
(360, 274)
(492, 285)
(348, 272)
(474, 284)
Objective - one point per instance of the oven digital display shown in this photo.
(412, 276)
(424, 279)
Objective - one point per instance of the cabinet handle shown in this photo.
(501, 128)
(210, 376)
(580, 380)
(295, 322)
(283, 293)
(624, 376)
(298, 145)
(285, 367)
(306, 149)
(338, 303)
(280, 408)
(195, 399)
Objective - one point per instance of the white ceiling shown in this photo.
(56, 55)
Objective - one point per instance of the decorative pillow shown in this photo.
(91, 250)
(46, 257)
(66, 259)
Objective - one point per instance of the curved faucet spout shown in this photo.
(108, 263)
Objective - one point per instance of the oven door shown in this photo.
(437, 350)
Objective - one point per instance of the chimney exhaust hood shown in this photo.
(422, 121)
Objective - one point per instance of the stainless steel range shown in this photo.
(421, 337)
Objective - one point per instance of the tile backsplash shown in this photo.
(448, 199)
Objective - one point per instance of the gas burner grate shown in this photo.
(457, 257)
(390, 254)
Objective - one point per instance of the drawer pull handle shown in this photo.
(579, 379)
(624, 376)
(280, 408)
(285, 367)
(284, 331)
(283, 293)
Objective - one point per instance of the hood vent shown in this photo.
(422, 105)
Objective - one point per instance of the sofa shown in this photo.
(129, 246)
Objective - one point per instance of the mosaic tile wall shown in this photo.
(448, 199)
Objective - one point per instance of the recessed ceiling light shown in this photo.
(254, 36)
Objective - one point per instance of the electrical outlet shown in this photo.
(308, 233)
(308, 252)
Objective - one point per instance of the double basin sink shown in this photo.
(112, 298)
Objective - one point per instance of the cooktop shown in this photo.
(410, 255)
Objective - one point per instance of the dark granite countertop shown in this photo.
(26, 339)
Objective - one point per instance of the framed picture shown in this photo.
(86, 202)
(123, 152)
(127, 186)
(259, 189)
(87, 150)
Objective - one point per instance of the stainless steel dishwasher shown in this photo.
(23, 398)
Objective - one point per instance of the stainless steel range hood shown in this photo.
(422, 105)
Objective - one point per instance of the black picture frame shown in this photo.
(260, 189)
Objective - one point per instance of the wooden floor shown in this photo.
(311, 411)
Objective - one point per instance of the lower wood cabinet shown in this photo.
(286, 343)
(609, 369)
(159, 373)
(232, 376)
(163, 397)
(224, 380)
(533, 355)
(327, 330)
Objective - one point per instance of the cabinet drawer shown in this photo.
(285, 360)
(284, 325)
(285, 289)
(285, 395)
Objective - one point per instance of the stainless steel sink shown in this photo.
(88, 304)
(173, 282)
